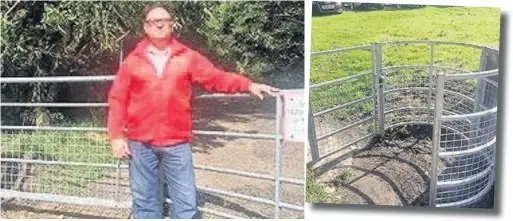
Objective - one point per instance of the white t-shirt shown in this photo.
(159, 59)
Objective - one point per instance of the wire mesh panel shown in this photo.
(343, 109)
(408, 97)
(340, 125)
(59, 162)
(466, 146)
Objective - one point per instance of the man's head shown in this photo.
(157, 22)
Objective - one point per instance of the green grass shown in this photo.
(352, 28)
(66, 146)
(315, 191)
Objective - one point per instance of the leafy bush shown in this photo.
(257, 36)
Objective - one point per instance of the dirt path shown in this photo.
(256, 156)
(393, 172)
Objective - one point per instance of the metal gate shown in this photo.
(347, 113)
(66, 163)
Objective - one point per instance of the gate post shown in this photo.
(379, 81)
(437, 128)
(479, 96)
(277, 164)
(431, 75)
(312, 138)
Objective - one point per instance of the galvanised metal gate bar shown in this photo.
(118, 199)
(461, 106)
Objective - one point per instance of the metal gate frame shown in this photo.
(277, 177)
(378, 94)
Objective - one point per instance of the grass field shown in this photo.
(353, 28)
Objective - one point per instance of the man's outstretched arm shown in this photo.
(213, 79)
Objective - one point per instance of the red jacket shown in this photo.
(158, 110)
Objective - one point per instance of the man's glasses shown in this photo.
(153, 22)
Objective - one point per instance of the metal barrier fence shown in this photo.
(75, 164)
(461, 105)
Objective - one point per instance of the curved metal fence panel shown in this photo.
(458, 100)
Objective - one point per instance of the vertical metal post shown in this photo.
(431, 76)
(312, 138)
(437, 129)
(478, 97)
(374, 88)
(481, 86)
(277, 164)
(378, 55)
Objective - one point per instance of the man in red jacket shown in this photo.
(150, 119)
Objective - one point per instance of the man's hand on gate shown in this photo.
(120, 148)
(260, 89)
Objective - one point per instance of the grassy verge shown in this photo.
(315, 191)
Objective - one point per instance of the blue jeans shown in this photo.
(176, 165)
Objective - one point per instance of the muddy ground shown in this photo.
(392, 171)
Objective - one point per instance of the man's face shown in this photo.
(158, 24)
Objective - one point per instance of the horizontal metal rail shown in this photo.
(340, 50)
(235, 134)
(236, 195)
(108, 203)
(125, 166)
(434, 42)
(408, 123)
(427, 89)
(422, 67)
(291, 207)
(343, 106)
(56, 79)
(345, 128)
(102, 129)
(13, 127)
(20, 104)
(340, 80)
(419, 108)
(252, 175)
(347, 145)
(460, 182)
(470, 199)
(408, 108)
(471, 115)
(467, 151)
(54, 104)
(465, 76)
(427, 123)
(117, 204)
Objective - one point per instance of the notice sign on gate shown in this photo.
(293, 122)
